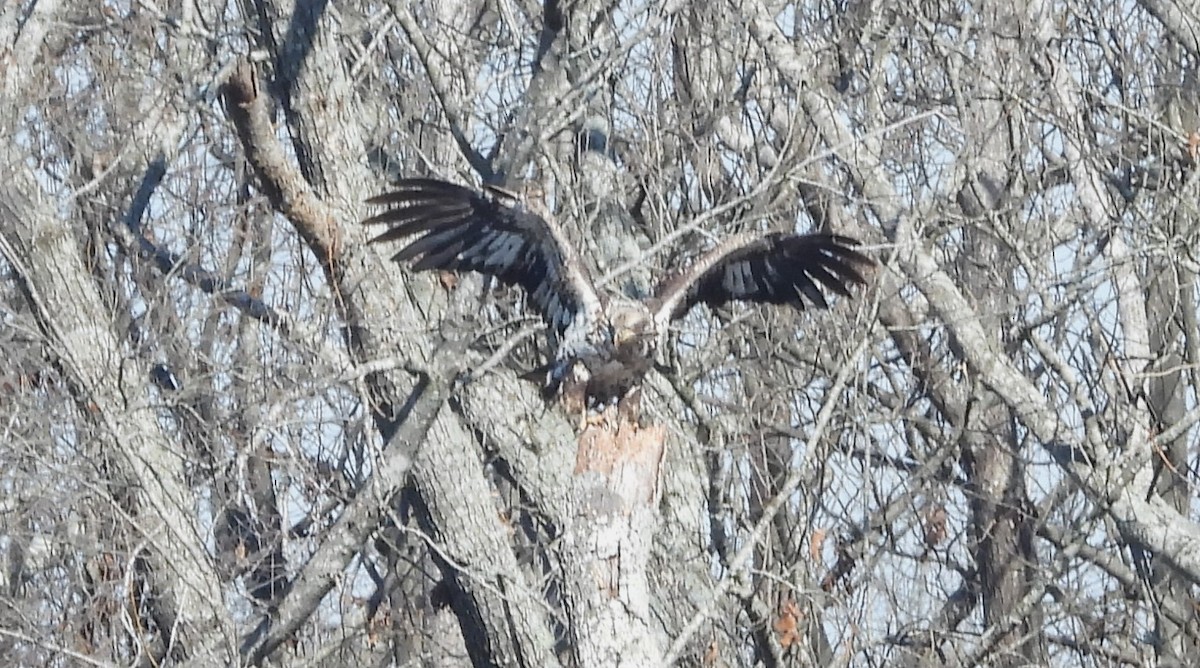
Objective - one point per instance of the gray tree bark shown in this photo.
(233, 433)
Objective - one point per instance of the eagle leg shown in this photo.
(574, 403)
(629, 407)
(574, 400)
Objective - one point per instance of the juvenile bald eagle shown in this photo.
(605, 343)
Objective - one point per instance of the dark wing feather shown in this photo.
(460, 229)
(778, 268)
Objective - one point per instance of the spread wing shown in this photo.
(778, 268)
(493, 233)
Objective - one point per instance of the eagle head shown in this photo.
(632, 323)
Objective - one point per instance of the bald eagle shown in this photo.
(605, 343)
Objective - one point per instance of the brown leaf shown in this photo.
(786, 625)
(815, 545)
(935, 525)
(711, 654)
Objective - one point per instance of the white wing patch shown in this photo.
(455, 228)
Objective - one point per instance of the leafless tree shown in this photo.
(234, 433)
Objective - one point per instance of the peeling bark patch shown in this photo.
(628, 456)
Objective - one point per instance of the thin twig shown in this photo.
(795, 477)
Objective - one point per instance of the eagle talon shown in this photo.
(595, 419)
